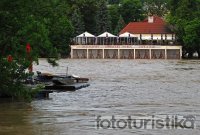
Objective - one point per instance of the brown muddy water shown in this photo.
(138, 88)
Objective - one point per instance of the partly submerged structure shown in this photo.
(149, 39)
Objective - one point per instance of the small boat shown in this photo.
(72, 87)
(80, 79)
(43, 77)
(59, 79)
(63, 80)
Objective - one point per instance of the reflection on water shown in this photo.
(118, 87)
(13, 118)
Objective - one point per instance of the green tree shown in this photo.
(45, 26)
(88, 10)
(37, 34)
(155, 7)
(182, 16)
(192, 34)
(61, 33)
(131, 10)
(11, 76)
(77, 21)
(55, 17)
(120, 25)
(103, 18)
(114, 14)
(113, 1)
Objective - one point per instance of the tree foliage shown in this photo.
(191, 37)
(114, 14)
(77, 21)
(88, 9)
(131, 10)
(60, 35)
(11, 76)
(184, 16)
(44, 24)
(120, 25)
(103, 22)
(113, 1)
(155, 7)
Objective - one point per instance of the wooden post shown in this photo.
(134, 54)
(77, 56)
(87, 53)
(67, 71)
(149, 53)
(180, 53)
(71, 53)
(118, 53)
(165, 53)
(103, 54)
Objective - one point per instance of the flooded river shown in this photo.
(137, 88)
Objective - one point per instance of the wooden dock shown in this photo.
(72, 87)
(43, 94)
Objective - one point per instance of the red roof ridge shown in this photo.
(124, 28)
(158, 26)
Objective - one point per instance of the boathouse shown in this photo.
(149, 39)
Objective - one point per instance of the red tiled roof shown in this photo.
(157, 27)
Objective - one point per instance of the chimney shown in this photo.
(150, 19)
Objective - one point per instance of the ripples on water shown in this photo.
(118, 87)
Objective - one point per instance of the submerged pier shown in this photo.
(126, 52)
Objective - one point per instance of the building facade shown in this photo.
(149, 39)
